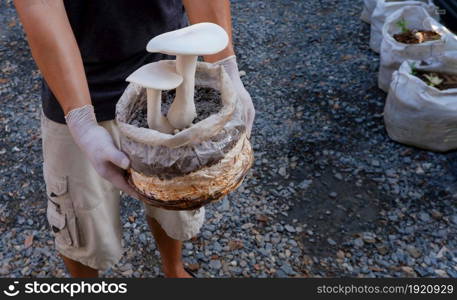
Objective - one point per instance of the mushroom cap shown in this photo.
(159, 75)
(197, 39)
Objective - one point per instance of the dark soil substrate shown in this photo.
(207, 102)
(450, 80)
(417, 36)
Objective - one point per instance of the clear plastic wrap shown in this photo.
(368, 8)
(197, 165)
(200, 187)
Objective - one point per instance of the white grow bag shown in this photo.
(420, 115)
(368, 8)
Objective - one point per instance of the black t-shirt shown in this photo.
(112, 37)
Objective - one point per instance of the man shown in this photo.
(85, 50)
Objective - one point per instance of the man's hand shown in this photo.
(97, 144)
(231, 67)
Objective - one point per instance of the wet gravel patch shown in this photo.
(329, 194)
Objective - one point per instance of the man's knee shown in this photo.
(179, 225)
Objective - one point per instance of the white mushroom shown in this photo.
(156, 77)
(187, 44)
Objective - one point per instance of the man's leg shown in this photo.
(170, 251)
(83, 208)
(78, 270)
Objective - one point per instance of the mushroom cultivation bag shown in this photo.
(421, 115)
(385, 8)
(368, 8)
(181, 165)
(393, 53)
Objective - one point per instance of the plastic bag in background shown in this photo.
(393, 53)
(420, 115)
(156, 153)
(368, 8)
(384, 9)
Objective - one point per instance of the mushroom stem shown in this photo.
(155, 118)
(182, 111)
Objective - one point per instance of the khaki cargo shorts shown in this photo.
(84, 209)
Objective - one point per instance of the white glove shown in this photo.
(231, 67)
(96, 142)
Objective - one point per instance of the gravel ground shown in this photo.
(329, 195)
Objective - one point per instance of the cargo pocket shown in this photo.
(60, 212)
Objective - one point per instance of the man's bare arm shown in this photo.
(55, 50)
(214, 11)
(218, 11)
(56, 53)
